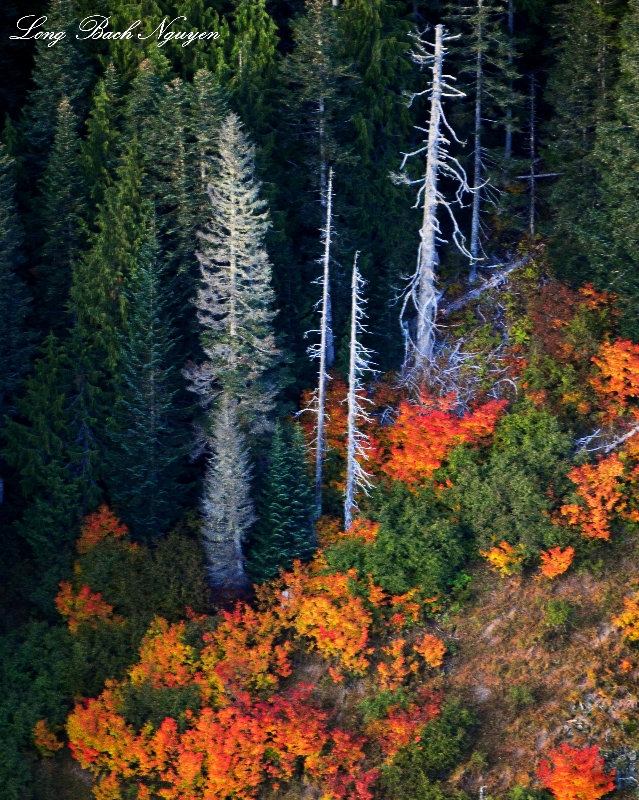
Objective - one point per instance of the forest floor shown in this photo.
(541, 663)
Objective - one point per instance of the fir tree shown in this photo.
(227, 508)
(235, 298)
(98, 303)
(14, 299)
(99, 149)
(285, 529)
(59, 71)
(146, 443)
(47, 447)
(61, 200)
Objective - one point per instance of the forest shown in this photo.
(319, 399)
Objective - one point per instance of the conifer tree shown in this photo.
(61, 201)
(235, 297)
(15, 339)
(610, 230)
(99, 149)
(145, 440)
(98, 303)
(227, 508)
(48, 448)
(285, 529)
(581, 86)
(59, 71)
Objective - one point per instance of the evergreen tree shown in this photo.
(146, 442)
(14, 299)
(580, 88)
(48, 448)
(286, 510)
(99, 149)
(59, 71)
(235, 297)
(610, 229)
(98, 303)
(61, 200)
(227, 509)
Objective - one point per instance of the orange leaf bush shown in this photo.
(45, 740)
(424, 434)
(431, 649)
(556, 561)
(573, 774)
(504, 558)
(402, 726)
(600, 488)
(628, 620)
(97, 527)
(617, 383)
(85, 607)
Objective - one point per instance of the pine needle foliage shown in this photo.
(286, 508)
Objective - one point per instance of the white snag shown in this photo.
(357, 450)
(422, 289)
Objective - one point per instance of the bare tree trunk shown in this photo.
(508, 149)
(324, 338)
(427, 258)
(330, 342)
(533, 177)
(349, 495)
(477, 178)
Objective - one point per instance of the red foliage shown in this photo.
(97, 527)
(573, 774)
(556, 561)
(402, 726)
(45, 740)
(85, 607)
(425, 433)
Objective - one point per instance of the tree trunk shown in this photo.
(427, 259)
(477, 178)
(349, 495)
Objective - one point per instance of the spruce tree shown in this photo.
(59, 71)
(15, 339)
(145, 440)
(227, 508)
(286, 509)
(235, 298)
(48, 448)
(99, 149)
(62, 197)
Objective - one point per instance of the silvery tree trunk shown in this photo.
(325, 336)
(321, 131)
(477, 176)
(427, 259)
(508, 149)
(227, 509)
(356, 476)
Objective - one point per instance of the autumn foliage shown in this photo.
(425, 433)
(85, 607)
(556, 561)
(503, 558)
(46, 742)
(431, 649)
(628, 620)
(573, 774)
(97, 527)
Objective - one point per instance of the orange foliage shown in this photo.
(573, 774)
(504, 558)
(85, 607)
(97, 527)
(328, 530)
(45, 740)
(556, 561)
(363, 529)
(431, 649)
(601, 490)
(165, 659)
(628, 620)
(405, 609)
(617, 383)
(401, 726)
(424, 434)
(391, 676)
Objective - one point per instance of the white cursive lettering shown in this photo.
(53, 37)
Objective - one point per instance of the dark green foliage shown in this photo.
(146, 438)
(145, 704)
(416, 545)
(285, 528)
(14, 299)
(62, 199)
(504, 496)
(414, 772)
